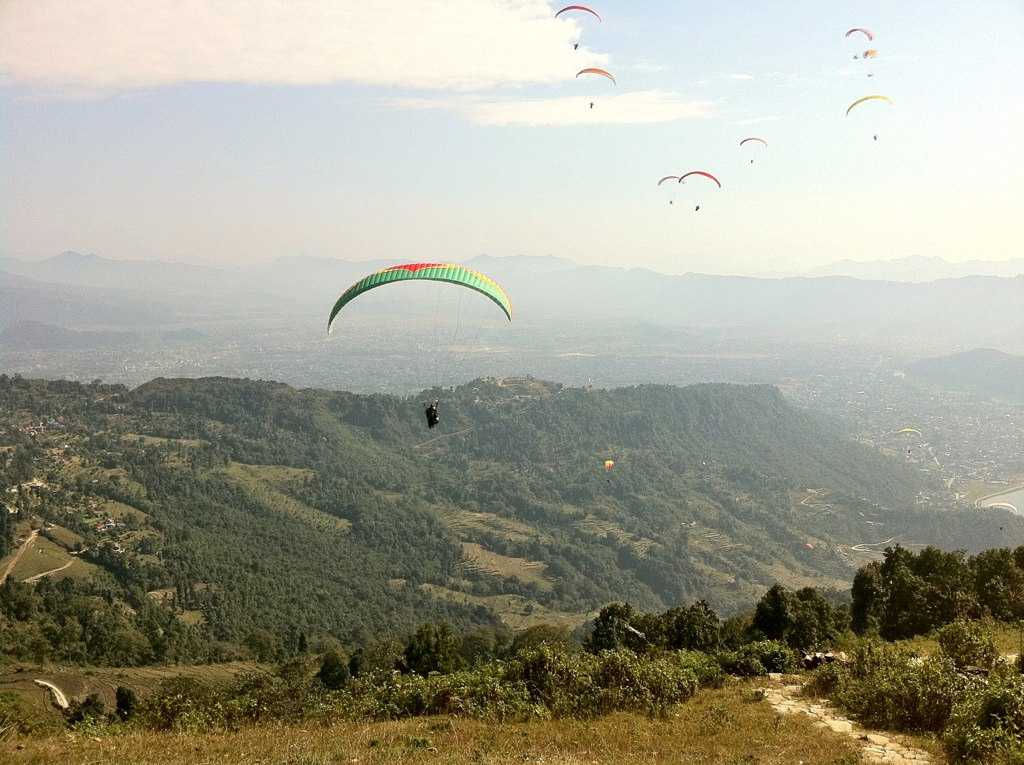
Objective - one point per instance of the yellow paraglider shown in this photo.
(608, 465)
(908, 431)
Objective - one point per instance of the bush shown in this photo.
(560, 681)
(988, 724)
(704, 667)
(88, 711)
(126, 702)
(968, 644)
(181, 704)
(333, 670)
(640, 684)
(887, 687)
(758, 658)
(774, 655)
(740, 663)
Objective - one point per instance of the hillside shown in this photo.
(984, 372)
(253, 513)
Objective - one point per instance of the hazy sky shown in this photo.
(225, 131)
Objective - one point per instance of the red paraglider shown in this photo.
(582, 8)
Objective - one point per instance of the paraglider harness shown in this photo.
(433, 416)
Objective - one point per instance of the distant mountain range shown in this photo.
(919, 268)
(982, 371)
(930, 317)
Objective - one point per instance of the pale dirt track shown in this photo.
(17, 556)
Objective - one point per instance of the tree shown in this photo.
(433, 648)
(333, 670)
(126, 702)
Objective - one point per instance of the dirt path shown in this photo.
(17, 556)
(443, 436)
(47, 573)
(875, 747)
(58, 695)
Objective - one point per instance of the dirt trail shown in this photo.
(443, 436)
(17, 556)
(58, 695)
(875, 747)
(47, 573)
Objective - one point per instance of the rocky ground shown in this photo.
(787, 699)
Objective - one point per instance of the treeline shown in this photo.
(908, 593)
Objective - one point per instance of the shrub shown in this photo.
(704, 667)
(740, 663)
(181, 704)
(560, 681)
(333, 670)
(640, 684)
(988, 723)
(758, 658)
(774, 655)
(968, 644)
(887, 687)
(126, 702)
(89, 710)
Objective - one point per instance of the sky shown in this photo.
(231, 132)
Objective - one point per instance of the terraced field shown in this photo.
(480, 560)
(264, 483)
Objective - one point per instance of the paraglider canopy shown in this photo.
(581, 8)
(452, 273)
(595, 70)
(867, 98)
(700, 172)
(668, 178)
(866, 32)
(748, 140)
(608, 465)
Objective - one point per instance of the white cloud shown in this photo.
(640, 107)
(110, 45)
(739, 77)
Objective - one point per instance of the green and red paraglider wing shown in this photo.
(452, 273)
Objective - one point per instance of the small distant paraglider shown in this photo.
(754, 139)
(866, 99)
(609, 465)
(669, 178)
(599, 72)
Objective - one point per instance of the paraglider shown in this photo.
(432, 414)
(903, 431)
(669, 178)
(859, 101)
(608, 465)
(754, 139)
(452, 273)
(579, 9)
(599, 72)
(704, 173)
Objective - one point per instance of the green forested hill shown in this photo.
(261, 515)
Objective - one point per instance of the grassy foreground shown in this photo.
(727, 725)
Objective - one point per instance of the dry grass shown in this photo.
(467, 523)
(78, 682)
(1007, 637)
(44, 556)
(192, 443)
(482, 560)
(723, 726)
(516, 612)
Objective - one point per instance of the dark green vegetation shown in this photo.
(909, 594)
(222, 519)
(983, 372)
